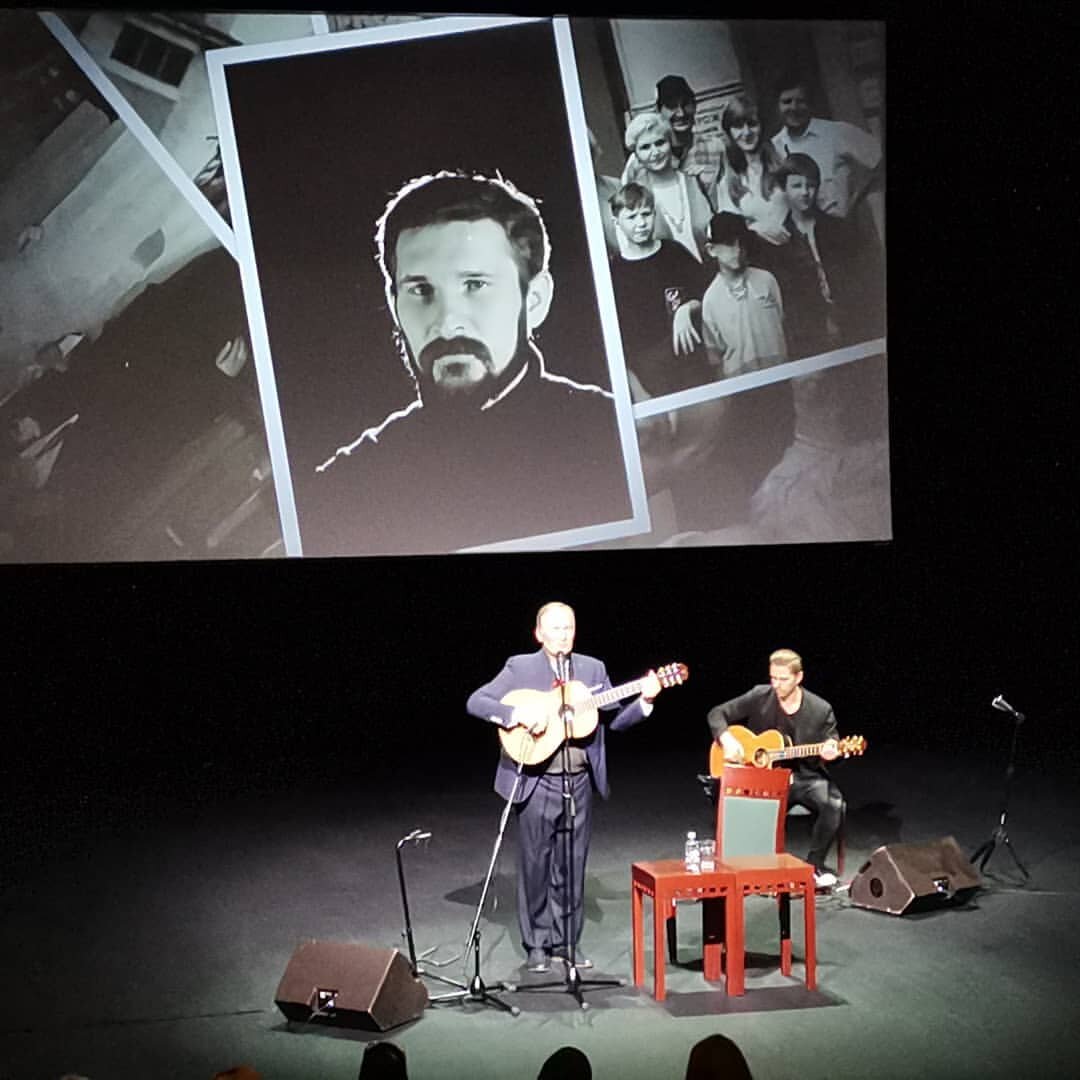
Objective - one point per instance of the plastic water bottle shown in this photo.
(693, 853)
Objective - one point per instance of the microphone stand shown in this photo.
(573, 984)
(474, 990)
(981, 855)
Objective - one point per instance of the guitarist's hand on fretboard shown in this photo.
(650, 687)
(830, 750)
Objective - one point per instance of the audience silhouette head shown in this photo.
(716, 1057)
(383, 1061)
(566, 1063)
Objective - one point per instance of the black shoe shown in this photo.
(580, 959)
(538, 961)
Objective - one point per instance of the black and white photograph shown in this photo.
(739, 166)
(434, 335)
(132, 430)
(130, 414)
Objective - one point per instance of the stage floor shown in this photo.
(144, 931)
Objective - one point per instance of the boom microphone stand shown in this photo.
(475, 989)
(573, 984)
(981, 855)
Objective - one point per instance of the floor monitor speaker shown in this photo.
(350, 985)
(903, 878)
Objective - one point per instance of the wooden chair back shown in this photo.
(751, 805)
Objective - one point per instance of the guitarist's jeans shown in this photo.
(543, 835)
(823, 799)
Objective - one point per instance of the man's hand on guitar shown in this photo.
(650, 686)
(733, 750)
(534, 722)
(830, 750)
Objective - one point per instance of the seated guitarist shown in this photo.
(538, 796)
(801, 717)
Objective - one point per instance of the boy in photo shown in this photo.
(658, 286)
(742, 310)
(827, 275)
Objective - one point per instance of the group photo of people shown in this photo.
(740, 173)
(781, 222)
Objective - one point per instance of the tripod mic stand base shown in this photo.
(982, 854)
(474, 991)
(477, 991)
(574, 984)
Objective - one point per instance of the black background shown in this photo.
(124, 680)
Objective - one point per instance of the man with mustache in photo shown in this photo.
(494, 446)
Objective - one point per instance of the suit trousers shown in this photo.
(822, 798)
(551, 883)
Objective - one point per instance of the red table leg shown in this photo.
(713, 916)
(810, 936)
(736, 944)
(784, 904)
(661, 906)
(637, 933)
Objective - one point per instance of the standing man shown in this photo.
(493, 446)
(698, 155)
(801, 717)
(545, 881)
(848, 156)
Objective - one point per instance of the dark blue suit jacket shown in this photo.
(533, 671)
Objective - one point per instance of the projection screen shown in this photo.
(308, 285)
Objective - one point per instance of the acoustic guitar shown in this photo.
(770, 746)
(529, 749)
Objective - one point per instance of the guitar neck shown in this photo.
(616, 693)
(806, 750)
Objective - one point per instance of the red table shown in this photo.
(722, 892)
(666, 881)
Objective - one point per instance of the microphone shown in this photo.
(560, 666)
(1002, 705)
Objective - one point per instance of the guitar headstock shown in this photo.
(851, 746)
(672, 674)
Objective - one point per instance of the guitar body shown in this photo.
(756, 749)
(531, 749)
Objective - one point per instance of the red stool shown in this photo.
(668, 880)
